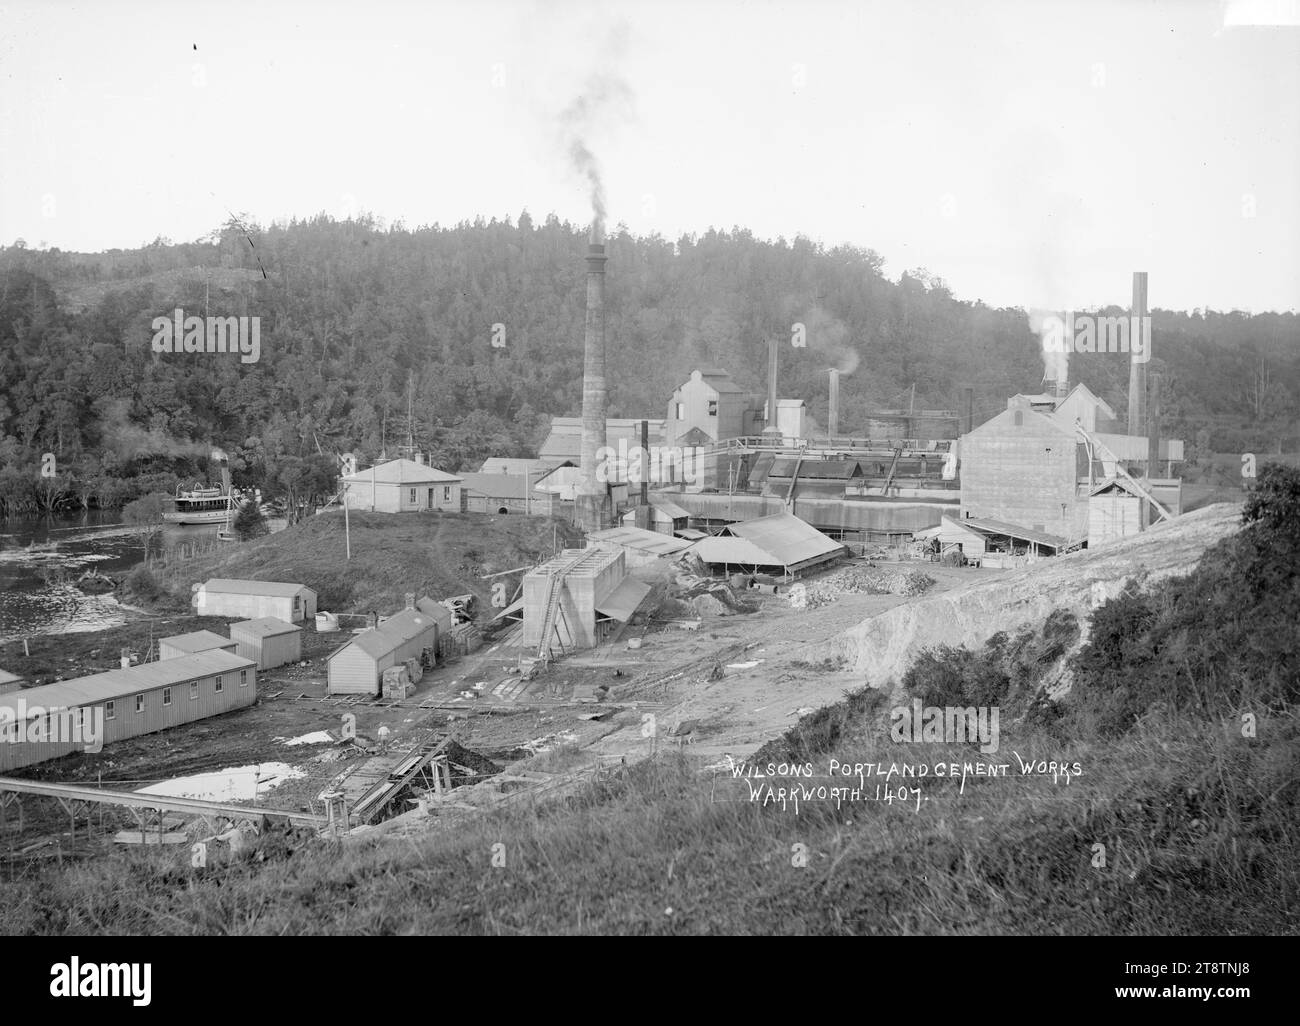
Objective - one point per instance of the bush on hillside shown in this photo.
(1218, 641)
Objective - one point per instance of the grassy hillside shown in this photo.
(437, 555)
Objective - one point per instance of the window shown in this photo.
(243, 678)
(139, 703)
(681, 411)
(220, 686)
(713, 407)
(412, 496)
(446, 493)
(167, 696)
(194, 690)
(1020, 418)
(110, 710)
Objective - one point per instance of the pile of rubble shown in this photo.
(859, 580)
(691, 595)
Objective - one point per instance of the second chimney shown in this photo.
(833, 417)
(1137, 369)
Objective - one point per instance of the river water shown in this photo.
(33, 552)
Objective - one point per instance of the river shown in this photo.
(32, 550)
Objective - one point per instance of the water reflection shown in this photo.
(40, 558)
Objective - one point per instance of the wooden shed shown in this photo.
(249, 600)
(189, 644)
(357, 667)
(268, 641)
(88, 712)
(1114, 511)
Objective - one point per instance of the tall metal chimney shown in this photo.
(833, 415)
(771, 385)
(1137, 369)
(593, 501)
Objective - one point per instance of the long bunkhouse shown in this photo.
(37, 724)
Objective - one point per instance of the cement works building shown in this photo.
(127, 703)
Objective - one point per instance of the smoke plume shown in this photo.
(127, 440)
(606, 99)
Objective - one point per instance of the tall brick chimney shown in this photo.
(593, 504)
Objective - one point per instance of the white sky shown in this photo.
(1031, 154)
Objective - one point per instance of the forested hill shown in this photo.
(352, 313)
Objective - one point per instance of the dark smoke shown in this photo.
(605, 96)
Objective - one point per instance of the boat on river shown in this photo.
(199, 505)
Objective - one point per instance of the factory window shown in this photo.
(446, 493)
(167, 696)
(220, 687)
(194, 690)
(110, 710)
(713, 407)
(412, 496)
(243, 678)
(681, 411)
(1020, 418)
(139, 703)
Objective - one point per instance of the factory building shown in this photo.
(577, 598)
(779, 544)
(41, 723)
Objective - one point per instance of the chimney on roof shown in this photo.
(419, 458)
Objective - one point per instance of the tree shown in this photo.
(249, 521)
(146, 513)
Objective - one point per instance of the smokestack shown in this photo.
(1137, 369)
(970, 410)
(1062, 386)
(833, 416)
(1153, 435)
(410, 600)
(645, 463)
(593, 505)
(771, 385)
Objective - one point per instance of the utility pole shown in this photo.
(347, 527)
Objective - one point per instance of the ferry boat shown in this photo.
(199, 506)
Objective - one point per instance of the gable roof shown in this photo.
(987, 525)
(790, 540)
(394, 632)
(114, 684)
(503, 486)
(196, 641)
(400, 471)
(513, 465)
(265, 627)
(275, 589)
(1093, 398)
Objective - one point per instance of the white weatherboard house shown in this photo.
(253, 599)
(402, 486)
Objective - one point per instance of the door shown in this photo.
(430, 506)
